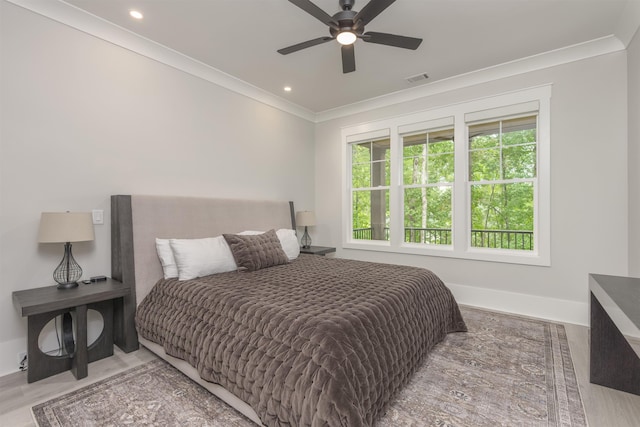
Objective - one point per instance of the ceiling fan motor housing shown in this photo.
(345, 23)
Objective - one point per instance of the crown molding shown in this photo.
(552, 58)
(629, 22)
(81, 20)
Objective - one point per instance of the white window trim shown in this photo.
(461, 248)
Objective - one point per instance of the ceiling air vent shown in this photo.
(417, 78)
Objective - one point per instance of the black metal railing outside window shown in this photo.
(498, 239)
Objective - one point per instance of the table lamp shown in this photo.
(66, 227)
(306, 219)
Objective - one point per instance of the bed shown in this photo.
(306, 340)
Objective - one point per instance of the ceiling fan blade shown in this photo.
(370, 11)
(304, 45)
(391, 40)
(348, 59)
(316, 12)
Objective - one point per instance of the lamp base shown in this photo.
(69, 285)
(306, 239)
(68, 272)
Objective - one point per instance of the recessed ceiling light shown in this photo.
(135, 14)
(287, 88)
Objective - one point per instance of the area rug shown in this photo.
(506, 371)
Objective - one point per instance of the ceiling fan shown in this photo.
(347, 26)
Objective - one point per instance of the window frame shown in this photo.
(498, 107)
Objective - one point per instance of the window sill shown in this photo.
(473, 254)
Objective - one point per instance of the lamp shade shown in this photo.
(305, 218)
(62, 227)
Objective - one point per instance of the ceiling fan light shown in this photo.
(346, 38)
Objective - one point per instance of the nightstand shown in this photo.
(40, 305)
(317, 250)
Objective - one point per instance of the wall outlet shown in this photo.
(22, 360)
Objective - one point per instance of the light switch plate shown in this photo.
(98, 216)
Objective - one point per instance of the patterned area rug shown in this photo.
(506, 371)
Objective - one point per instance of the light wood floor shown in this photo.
(604, 407)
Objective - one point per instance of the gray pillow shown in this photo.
(254, 252)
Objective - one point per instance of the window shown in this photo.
(370, 174)
(502, 172)
(428, 174)
(469, 180)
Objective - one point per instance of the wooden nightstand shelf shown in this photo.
(317, 250)
(40, 305)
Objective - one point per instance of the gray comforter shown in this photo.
(318, 341)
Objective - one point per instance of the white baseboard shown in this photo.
(552, 309)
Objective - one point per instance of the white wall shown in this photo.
(588, 186)
(83, 119)
(633, 73)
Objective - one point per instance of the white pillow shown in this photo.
(288, 241)
(167, 260)
(202, 257)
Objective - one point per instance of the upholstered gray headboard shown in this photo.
(137, 220)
